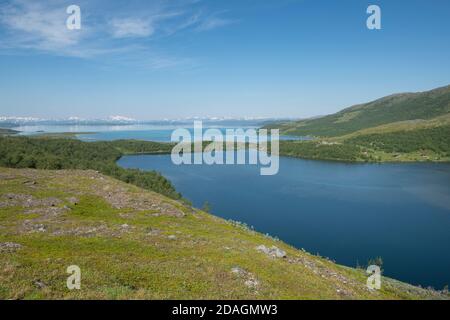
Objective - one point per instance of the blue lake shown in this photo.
(158, 133)
(347, 212)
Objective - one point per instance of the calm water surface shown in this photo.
(158, 133)
(348, 212)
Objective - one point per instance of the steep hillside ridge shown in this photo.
(132, 243)
(398, 107)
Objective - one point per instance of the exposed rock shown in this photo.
(13, 200)
(120, 198)
(320, 269)
(172, 237)
(153, 232)
(73, 201)
(13, 196)
(39, 284)
(26, 200)
(9, 246)
(249, 278)
(50, 202)
(239, 271)
(126, 215)
(84, 231)
(48, 211)
(273, 251)
(40, 228)
(252, 283)
(28, 226)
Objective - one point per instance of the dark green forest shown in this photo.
(318, 150)
(434, 139)
(57, 154)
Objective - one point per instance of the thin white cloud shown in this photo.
(214, 21)
(30, 25)
(211, 23)
(124, 28)
(185, 23)
(165, 62)
(38, 26)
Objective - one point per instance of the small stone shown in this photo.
(73, 201)
(273, 251)
(153, 232)
(172, 237)
(39, 228)
(39, 284)
(278, 253)
(9, 246)
(252, 283)
(238, 270)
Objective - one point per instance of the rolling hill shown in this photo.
(398, 128)
(132, 243)
(394, 108)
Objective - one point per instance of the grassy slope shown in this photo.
(119, 236)
(399, 107)
(404, 143)
(402, 127)
(54, 152)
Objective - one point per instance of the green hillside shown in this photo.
(132, 243)
(54, 152)
(380, 144)
(398, 107)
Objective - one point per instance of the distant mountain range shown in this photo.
(8, 122)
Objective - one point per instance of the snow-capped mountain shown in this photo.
(124, 120)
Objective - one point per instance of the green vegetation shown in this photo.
(394, 108)
(132, 243)
(57, 153)
(402, 127)
(322, 150)
(436, 140)
(428, 144)
(142, 147)
(135, 238)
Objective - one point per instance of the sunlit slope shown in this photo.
(136, 244)
(398, 107)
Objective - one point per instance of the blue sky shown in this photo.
(155, 59)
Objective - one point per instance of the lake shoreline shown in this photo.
(333, 195)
